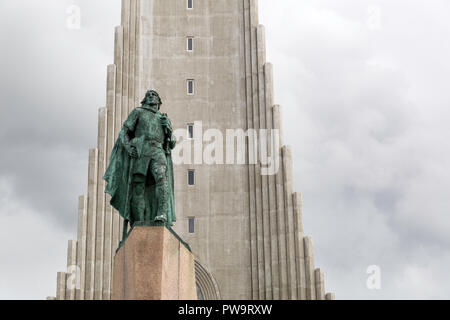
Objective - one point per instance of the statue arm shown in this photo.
(172, 142)
(125, 139)
(170, 138)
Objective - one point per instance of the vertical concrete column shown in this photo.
(129, 10)
(278, 122)
(61, 286)
(257, 167)
(110, 106)
(126, 13)
(138, 56)
(145, 47)
(81, 247)
(299, 246)
(123, 56)
(320, 284)
(133, 55)
(297, 203)
(309, 267)
(290, 225)
(118, 61)
(254, 13)
(261, 50)
(72, 271)
(107, 251)
(252, 153)
(273, 150)
(116, 235)
(118, 58)
(281, 220)
(101, 203)
(91, 223)
(330, 296)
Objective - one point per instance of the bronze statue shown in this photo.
(140, 173)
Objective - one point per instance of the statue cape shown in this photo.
(118, 177)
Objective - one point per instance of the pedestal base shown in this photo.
(153, 264)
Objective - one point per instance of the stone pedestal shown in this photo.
(153, 264)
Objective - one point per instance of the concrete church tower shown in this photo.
(207, 60)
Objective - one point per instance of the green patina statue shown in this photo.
(140, 173)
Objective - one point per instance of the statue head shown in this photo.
(152, 98)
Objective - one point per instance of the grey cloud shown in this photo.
(363, 115)
(51, 90)
(52, 83)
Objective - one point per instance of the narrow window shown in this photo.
(190, 129)
(190, 44)
(190, 4)
(190, 87)
(192, 225)
(191, 177)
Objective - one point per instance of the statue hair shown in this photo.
(148, 93)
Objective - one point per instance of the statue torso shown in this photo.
(149, 125)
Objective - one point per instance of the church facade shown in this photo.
(207, 60)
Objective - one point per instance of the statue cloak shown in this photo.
(118, 177)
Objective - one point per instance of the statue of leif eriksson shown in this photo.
(140, 173)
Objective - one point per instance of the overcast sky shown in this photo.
(365, 95)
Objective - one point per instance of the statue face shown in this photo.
(152, 98)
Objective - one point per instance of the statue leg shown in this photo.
(159, 169)
(138, 198)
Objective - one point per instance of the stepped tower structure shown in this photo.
(207, 59)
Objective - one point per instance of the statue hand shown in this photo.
(165, 120)
(172, 143)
